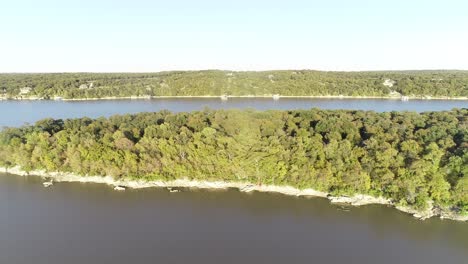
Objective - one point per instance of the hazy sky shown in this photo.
(144, 35)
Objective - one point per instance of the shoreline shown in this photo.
(356, 200)
(462, 98)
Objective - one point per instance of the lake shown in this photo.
(91, 223)
(16, 113)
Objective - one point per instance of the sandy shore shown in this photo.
(356, 200)
(244, 96)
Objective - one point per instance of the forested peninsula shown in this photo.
(411, 84)
(416, 160)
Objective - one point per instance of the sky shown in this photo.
(149, 36)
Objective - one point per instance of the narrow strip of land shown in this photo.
(413, 160)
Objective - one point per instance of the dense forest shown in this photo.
(409, 157)
(217, 83)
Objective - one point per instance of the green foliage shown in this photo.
(216, 83)
(409, 157)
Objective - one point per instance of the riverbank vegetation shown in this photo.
(409, 157)
(217, 83)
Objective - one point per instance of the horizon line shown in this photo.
(229, 70)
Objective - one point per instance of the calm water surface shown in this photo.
(16, 113)
(90, 223)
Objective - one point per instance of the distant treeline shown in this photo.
(409, 157)
(216, 83)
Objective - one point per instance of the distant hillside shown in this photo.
(216, 83)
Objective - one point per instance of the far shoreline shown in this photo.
(226, 97)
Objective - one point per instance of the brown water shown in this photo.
(91, 223)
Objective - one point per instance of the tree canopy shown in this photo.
(217, 83)
(409, 157)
